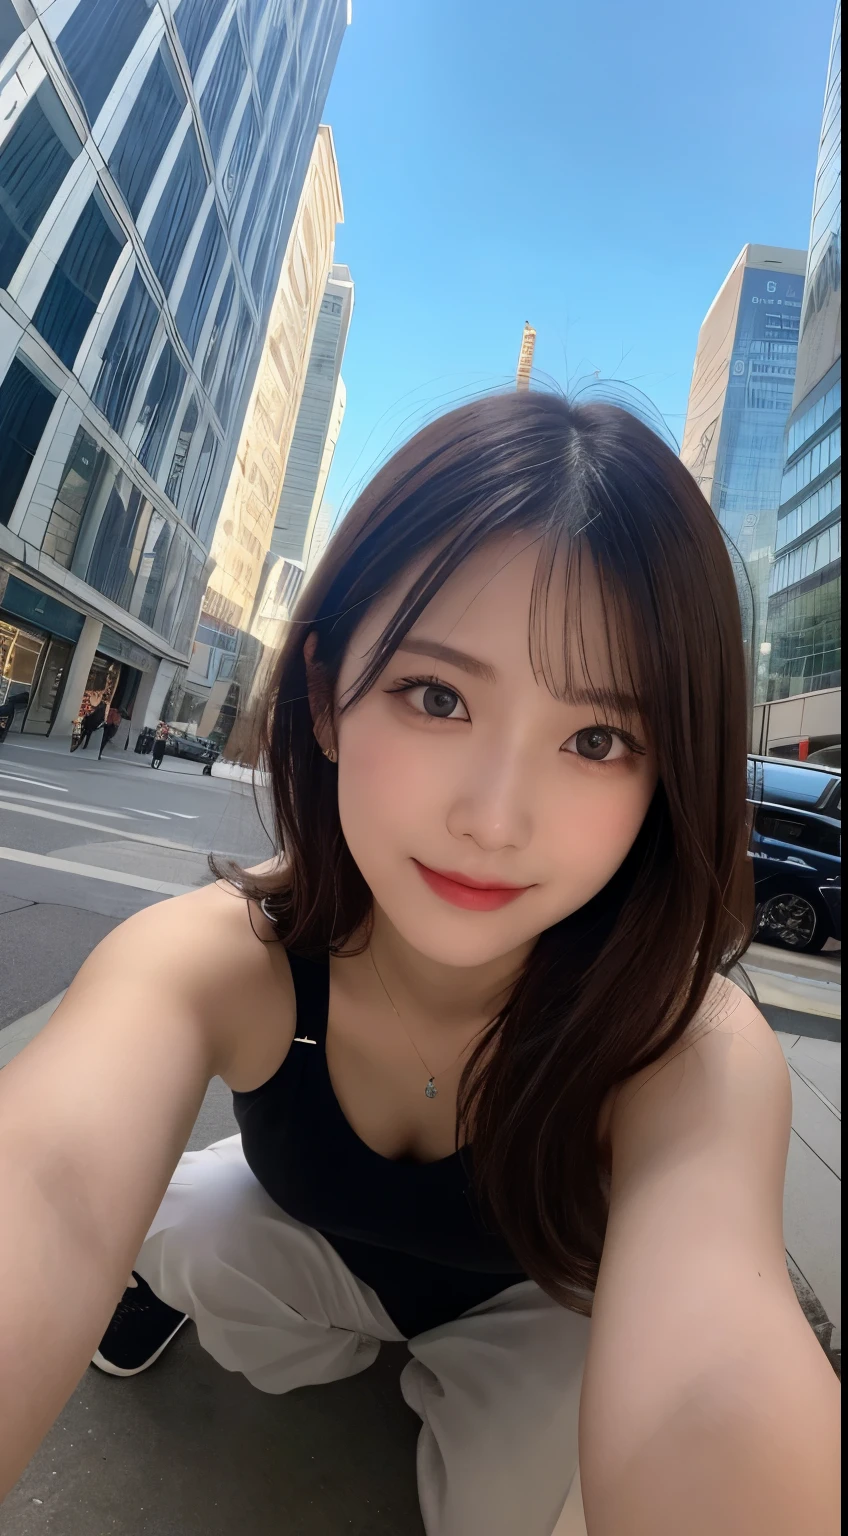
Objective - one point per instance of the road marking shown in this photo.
(39, 783)
(183, 815)
(136, 812)
(113, 876)
(66, 805)
(96, 826)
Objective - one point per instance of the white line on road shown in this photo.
(97, 826)
(136, 812)
(183, 815)
(39, 783)
(113, 876)
(66, 805)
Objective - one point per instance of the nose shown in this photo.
(493, 804)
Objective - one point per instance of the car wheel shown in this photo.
(794, 922)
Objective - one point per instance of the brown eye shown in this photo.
(595, 743)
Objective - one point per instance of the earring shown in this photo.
(331, 754)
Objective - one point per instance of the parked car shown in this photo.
(198, 748)
(796, 845)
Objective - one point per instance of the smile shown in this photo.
(461, 891)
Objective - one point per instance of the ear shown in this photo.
(320, 693)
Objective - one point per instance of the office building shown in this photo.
(152, 159)
(318, 425)
(802, 713)
(739, 401)
(225, 669)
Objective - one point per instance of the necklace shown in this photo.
(430, 1090)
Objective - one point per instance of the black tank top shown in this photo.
(412, 1231)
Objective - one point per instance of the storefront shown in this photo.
(37, 639)
(115, 675)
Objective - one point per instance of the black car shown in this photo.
(198, 748)
(796, 845)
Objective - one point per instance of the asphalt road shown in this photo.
(83, 844)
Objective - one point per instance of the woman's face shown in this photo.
(461, 765)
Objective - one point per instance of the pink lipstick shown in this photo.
(462, 891)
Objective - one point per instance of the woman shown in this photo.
(159, 744)
(90, 723)
(110, 726)
(507, 743)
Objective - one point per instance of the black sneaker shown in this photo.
(142, 1327)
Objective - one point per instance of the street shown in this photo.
(190, 1450)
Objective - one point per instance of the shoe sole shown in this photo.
(121, 1370)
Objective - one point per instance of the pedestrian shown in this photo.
(90, 722)
(9, 708)
(496, 1095)
(110, 726)
(209, 758)
(159, 744)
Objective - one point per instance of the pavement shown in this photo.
(188, 1449)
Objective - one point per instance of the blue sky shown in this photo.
(592, 166)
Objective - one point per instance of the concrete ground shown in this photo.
(187, 1449)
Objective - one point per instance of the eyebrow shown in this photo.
(609, 697)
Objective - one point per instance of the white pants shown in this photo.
(497, 1391)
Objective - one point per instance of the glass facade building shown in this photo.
(739, 402)
(804, 625)
(153, 154)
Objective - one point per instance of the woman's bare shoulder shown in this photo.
(214, 952)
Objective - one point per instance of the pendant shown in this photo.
(431, 1090)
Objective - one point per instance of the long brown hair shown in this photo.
(607, 990)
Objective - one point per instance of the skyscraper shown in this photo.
(152, 157)
(318, 425)
(739, 400)
(803, 629)
(247, 580)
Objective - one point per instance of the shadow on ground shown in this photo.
(190, 1450)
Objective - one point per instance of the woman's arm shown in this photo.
(708, 1405)
(94, 1115)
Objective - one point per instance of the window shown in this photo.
(815, 417)
(151, 569)
(173, 487)
(119, 541)
(813, 509)
(200, 479)
(157, 412)
(216, 336)
(10, 26)
(148, 130)
(83, 468)
(172, 223)
(189, 604)
(231, 375)
(34, 161)
(125, 354)
(812, 463)
(242, 154)
(221, 91)
(172, 584)
(95, 43)
(25, 405)
(258, 197)
(273, 53)
(806, 559)
(201, 281)
(79, 278)
(196, 21)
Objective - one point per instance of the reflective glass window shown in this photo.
(200, 479)
(201, 281)
(221, 91)
(213, 346)
(176, 211)
(148, 130)
(25, 405)
(190, 600)
(157, 412)
(83, 467)
(188, 427)
(151, 568)
(258, 199)
(196, 21)
(10, 26)
(96, 42)
(172, 584)
(116, 553)
(243, 151)
(34, 161)
(231, 375)
(273, 51)
(79, 278)
(125, 353)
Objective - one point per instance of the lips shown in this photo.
(461, 891)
